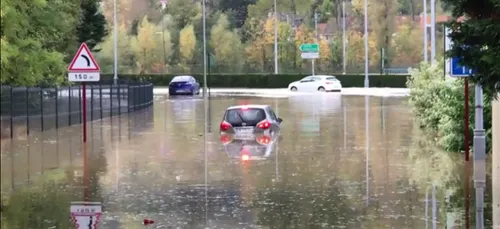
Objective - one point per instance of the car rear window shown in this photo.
(250, 116)
(181, 79)
(332, 78)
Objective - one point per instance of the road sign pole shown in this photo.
(479, 157)
(84, 112)
(466, 153)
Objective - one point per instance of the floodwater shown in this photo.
(339, 162)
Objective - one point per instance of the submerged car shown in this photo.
(322, 83)
(183, 85)
(255, 147)
(247, 120)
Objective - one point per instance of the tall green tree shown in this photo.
(91, 28)
(36, 36)
(475, 39)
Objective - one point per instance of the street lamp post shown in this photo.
(367, 80)
(275, 38)
(433, 31)
(344, 58)
(163, 6)
(426, 58)
(115, 49)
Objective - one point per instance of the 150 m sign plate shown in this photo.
(84, 76)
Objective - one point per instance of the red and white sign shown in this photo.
(83, 67)
(86, 215)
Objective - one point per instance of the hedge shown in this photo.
(266, 80)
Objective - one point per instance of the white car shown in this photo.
(316, 83)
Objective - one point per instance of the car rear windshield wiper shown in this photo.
(241, 118)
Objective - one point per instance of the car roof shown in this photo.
(248, 106)
(183, 76)
(322, 76)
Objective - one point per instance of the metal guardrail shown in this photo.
(395, 71)
(27, 109)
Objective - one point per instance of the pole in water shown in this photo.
(84, 112)
(85, 173)
(466, 153)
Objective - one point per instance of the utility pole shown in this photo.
(315, 37)
(479, 157)
(115, 49)
(344, 57)
(275, 38)
(433, 31)
(163, 6)
(367, 80)
(426, 36)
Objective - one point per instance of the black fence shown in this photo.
(27, 109)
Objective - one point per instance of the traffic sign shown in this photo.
(86, 215)
(457, 70)
(452, 66)
(309, 47)
(83, 60)
(83, 67)
(309, 55)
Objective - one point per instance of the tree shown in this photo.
(324, 62)
(226, 45)
(36, 36)
(183, 12)
(475, 39)
(91, 28)
(126, 56)
(187, 44)
(123, 12)
(293, 8)
(407, 45)
(144, 45)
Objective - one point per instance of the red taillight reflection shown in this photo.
(225, 139)
(264, 125)
(245, 157)
(264, 140)
(224, 126)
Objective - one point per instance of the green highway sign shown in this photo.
(309, 47)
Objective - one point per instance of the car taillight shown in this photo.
(225, 126)
(264, 125)
(224, 139)
(264, 140)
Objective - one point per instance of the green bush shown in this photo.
(268, 80)
(438, 105)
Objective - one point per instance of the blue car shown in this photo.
(183, 85)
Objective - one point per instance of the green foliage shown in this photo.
(91, 28)
(29, 207)
(438, 106)
(38, 38)
(267, 80)
(476, 39)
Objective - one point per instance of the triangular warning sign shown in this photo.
(83, 60)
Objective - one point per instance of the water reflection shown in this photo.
(364, 167)
(45, 171)
(258, 147)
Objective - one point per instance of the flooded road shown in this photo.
(339, 162)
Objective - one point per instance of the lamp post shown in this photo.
(115, 49)
(163, 6)
(275, 38)
(426, 58)
(344, 58)
(367, 80)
